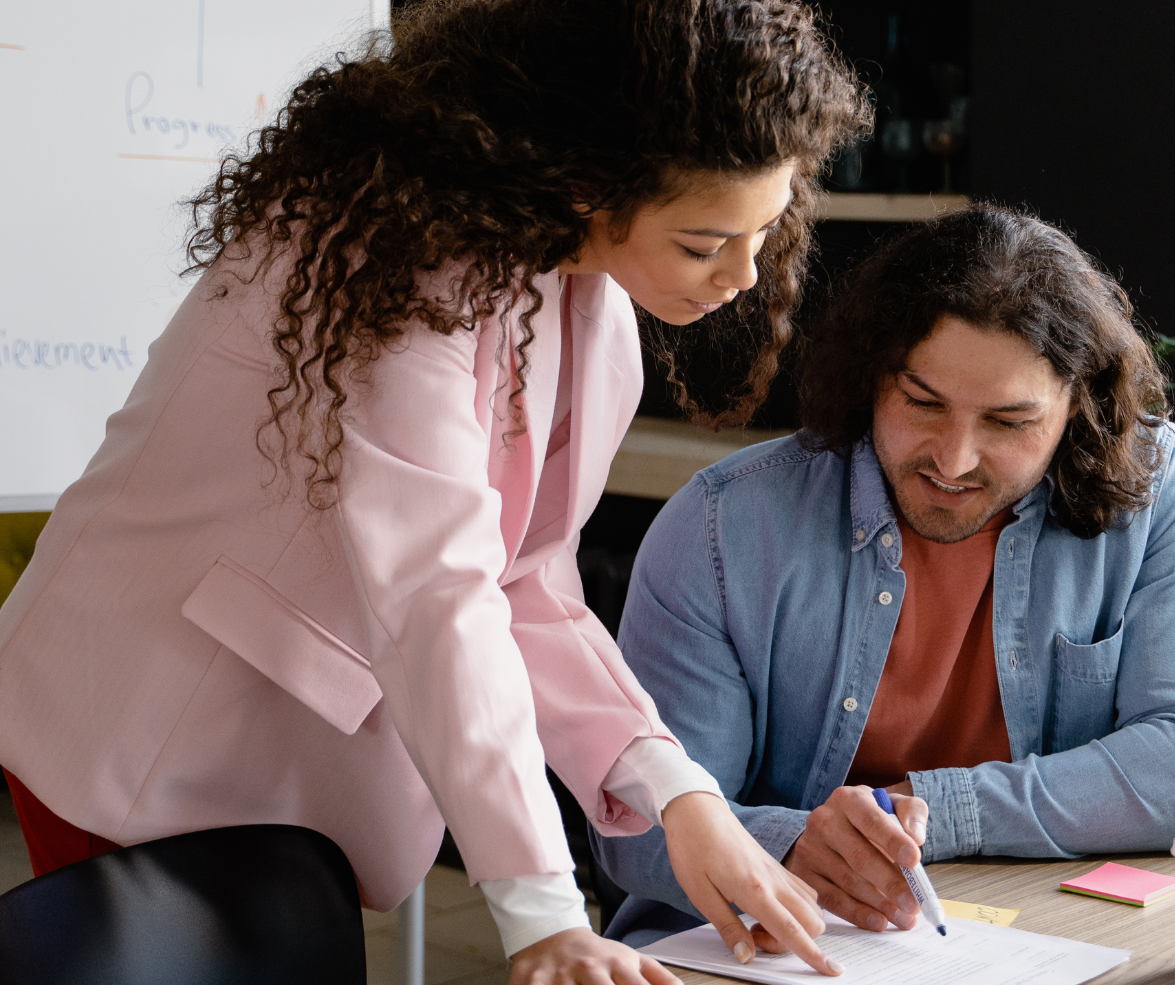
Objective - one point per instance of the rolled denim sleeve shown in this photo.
(1112, 793)
(954, 816)
(673, 636)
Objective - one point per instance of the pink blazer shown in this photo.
(189, 648)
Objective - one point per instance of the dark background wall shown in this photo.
(1073, 114)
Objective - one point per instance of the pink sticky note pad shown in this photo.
(1123, 883)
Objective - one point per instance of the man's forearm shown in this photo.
(1110, 795)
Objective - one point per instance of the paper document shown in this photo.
(971, 954)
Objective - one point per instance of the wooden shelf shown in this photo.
(657, 457)
(870, 207)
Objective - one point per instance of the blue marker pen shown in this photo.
(919, 882)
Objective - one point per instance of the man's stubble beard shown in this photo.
(940, 524)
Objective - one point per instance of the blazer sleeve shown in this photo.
(421, 528)
(589, 704)
(675, 635)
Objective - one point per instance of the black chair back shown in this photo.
(266, 904)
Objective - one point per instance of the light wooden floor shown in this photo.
(461, 941)
(461, 944)
(14, 858)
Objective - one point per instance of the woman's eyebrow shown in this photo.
(719, 234)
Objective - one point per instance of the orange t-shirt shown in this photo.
(938, 702)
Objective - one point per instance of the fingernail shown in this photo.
(835, 966)
(743, 953)
(876, 922)
(919, 831)
(908, 903)
(908, 857)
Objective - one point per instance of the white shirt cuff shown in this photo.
(529, 908)
(646, 776)
(651, 772)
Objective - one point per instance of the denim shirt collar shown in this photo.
(868, 500)
(872, 510)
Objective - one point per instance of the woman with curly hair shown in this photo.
(322, 570)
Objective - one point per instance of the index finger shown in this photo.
(884, 830)
(777, 921)
(771, 914)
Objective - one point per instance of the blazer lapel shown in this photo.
(519, 482)
(606, 387)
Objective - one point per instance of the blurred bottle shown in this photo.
(888, 89)
(851, 170)
(945, 137)
(899, 134)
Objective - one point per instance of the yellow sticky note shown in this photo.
(977, 911)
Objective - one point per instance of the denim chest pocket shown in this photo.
(1085, 685)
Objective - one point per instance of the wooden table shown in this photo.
(1031, 887)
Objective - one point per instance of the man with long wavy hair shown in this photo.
(956, 582)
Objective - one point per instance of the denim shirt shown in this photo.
(760, 615)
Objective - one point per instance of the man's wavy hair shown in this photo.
(1011, 272)
(473, 133)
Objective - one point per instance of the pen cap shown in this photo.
(883, 801)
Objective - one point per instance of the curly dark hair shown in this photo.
(991, 266)
(477, 132)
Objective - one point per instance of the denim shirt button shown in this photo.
(850, 704)
(887, 540)
(885, 598)
(860, 534)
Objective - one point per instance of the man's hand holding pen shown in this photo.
(850, 851)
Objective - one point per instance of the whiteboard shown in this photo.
(115, 111)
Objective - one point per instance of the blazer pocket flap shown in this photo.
(265, 629)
